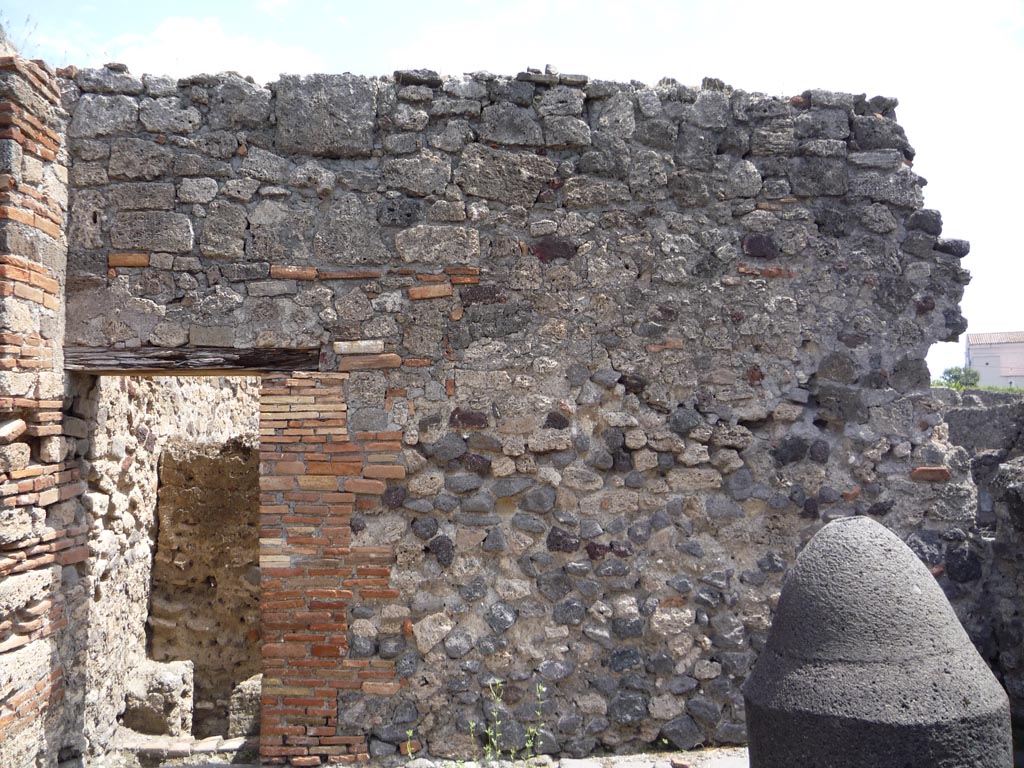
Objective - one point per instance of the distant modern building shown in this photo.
(997, 357)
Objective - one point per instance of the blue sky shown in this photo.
(956, 67)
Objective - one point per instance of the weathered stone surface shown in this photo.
(107, 80)
(898, 189)
(325, 115)
(139, 159)
(266, 166)
(224, 231)
(563, 131)
(494, 174)
(159, 699)
(431, 244)
(585, 192)
(152, 231)
(143, 196)
(167, 116)
(236, 103)
(511, 126)
(431, 630)
(244, 708)
(428, 173)
(104, 116)
(349, 236)
(197, 190)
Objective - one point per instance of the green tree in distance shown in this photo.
(960, 378)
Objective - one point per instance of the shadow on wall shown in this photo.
(204, 604)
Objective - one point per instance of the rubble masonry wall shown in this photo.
(594, 360)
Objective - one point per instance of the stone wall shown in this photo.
(42, 530)
(990, 427)
(594, 360)
(204, 604)
(132, 421)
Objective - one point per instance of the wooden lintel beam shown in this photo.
(189, 361)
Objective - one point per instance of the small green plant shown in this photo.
(532, 732)
(409, 751)
(492, 744)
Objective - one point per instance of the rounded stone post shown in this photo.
(867, 666)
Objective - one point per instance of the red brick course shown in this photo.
(313, 475)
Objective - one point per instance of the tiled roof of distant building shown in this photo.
(1014, 337)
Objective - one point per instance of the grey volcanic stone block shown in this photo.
(152, 231)
(326, 115)
(512, 178)
(104, 115)
(867, 665)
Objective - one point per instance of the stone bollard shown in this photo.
(867, 666)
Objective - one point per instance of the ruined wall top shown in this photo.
(693, 238)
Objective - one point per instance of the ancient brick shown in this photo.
(438, 291)
(930, 474)
(369, 362)
(128, 259)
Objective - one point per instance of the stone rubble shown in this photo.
(592, 361)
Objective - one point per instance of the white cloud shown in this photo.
(182, 46)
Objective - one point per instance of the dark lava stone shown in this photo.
(474, 590)
(614, 438)
(556, 420)
(660, 663)
(624, 658)
(571, 611)
(443, 548)
(683, 419)
(627, 707)
(680, 584)
(633, 383)
(560, 540)
(464, 418)
(760, 246)
(539, 500)
(424, 527)
(361, 647)
(494, 541)
(819, 451)
(554, 585)
(790, 449)
(810, 508)
(962, 563)
(474, 462)
(391, 647)
(407, 664)
(628, 627)
(449, 447)
(772, 562)
(393, 496)
(500, 616)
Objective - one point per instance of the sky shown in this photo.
(956, 67)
